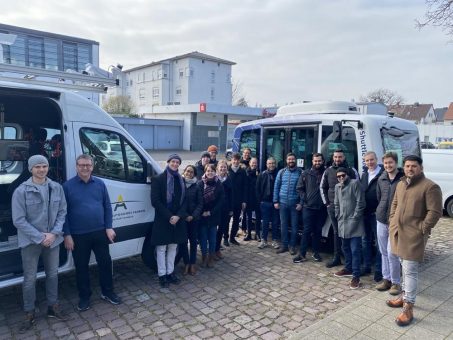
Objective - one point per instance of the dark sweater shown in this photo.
(89, 206)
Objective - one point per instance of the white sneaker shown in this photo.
(262, 245)
(275, 245)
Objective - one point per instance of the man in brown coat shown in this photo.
(415, 210)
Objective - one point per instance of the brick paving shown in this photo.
(252, 293)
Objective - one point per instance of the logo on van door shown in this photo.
(120, 203)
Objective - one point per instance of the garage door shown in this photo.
(144, 134)
(168, 137)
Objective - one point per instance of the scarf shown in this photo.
(171, 185)
(235, 168)
(209, 188)
(190, 182)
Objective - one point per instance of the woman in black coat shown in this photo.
(227, 209)
(194, 200)
(213, 197)
(169, 229)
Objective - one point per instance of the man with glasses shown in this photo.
(349, 207)
(88, 228)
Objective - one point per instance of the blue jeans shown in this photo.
(410, 280)
(391, 269)
(30, 257)
(313, 221)
(368, 245)
(207, 235)
(270, 214)
(289, 214)
(352, 250)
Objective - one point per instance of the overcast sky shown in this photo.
(285, 50)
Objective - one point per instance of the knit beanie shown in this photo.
(212, 148)
(35, 160)
(174, 156)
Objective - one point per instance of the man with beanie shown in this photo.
(212, 149)
(200, 165)
(169, 199)
(89, 228)
(39, 211)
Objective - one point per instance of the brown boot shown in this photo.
(218, 255)
(397, 302)
(211, 261)
(28, 322)
(186, 269)
(192, 269)
(406, 316)
(204, 261)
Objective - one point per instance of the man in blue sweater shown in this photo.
(88, 228)
(287, 200)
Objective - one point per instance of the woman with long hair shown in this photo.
(213, 197)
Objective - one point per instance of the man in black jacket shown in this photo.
(265, 193)
(314, 212)
(369, 242)
(238, 192)
(327, 186)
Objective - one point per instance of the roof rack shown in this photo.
(71, 80)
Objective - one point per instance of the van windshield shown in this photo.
(403, 142)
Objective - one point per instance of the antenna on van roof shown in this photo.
(71, 80)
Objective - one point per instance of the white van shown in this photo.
(61, 125)
(437, 167)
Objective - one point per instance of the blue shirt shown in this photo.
(89, 206)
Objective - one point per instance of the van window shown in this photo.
(275, 140)
(330, 141)
(402, 142)
(114, 157)
(250, 139)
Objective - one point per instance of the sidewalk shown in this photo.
(370, 318)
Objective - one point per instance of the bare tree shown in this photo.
(122, 105)
(439, 14)
(237, 94)
(385, 96)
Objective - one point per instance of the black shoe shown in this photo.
(172, 278)
(299, 259)
(112, 298)
(233, 241)
(248, 238)
(163, 281)
(84, 304)
(316, 257)
(226, 243)
(282, 250)
(293, 251)
(333, 263)
(55, 312)
(28, 323)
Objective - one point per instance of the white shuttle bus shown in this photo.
(323, 127)
(62, 125)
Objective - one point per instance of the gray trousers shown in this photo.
(30, 257)
(165, 257)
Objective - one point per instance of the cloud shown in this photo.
(286, 50)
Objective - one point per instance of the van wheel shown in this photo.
(450, 207)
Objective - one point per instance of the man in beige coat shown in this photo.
(415, 210)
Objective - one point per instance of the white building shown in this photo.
(192, 87)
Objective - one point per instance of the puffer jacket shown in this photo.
(30, 216)
(194, 201)
(265, 186)
(285, 186)
(385, 190)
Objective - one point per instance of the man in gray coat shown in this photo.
(39, 211)
(349, 208)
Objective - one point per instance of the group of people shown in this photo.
(388, 211)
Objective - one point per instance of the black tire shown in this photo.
(450, 207)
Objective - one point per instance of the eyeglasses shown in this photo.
(341, 176)
(84, 165)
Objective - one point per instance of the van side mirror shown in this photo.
(149, 172)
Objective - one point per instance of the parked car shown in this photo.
(228, 154)
(427, 145)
